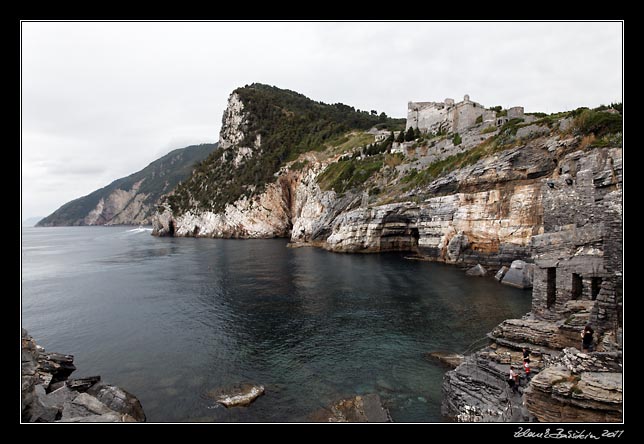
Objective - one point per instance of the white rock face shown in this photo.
(232, 130)
(120, 207)
(268, 215)
(464, 226)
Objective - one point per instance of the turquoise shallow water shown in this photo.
(169, 319)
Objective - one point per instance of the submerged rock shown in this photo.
(240, 395)
(477, 270)
(452, 360)
(366, 408)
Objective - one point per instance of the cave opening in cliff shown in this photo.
(415, 235)
(171, 228)
(595, 286)
(577, 286)
(551, 287)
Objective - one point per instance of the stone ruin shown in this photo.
(454, 117)
(578, 278)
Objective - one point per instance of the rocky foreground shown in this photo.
(49, 395)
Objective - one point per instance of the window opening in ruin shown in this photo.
(595, 285)
(551, 289)
(577, 286)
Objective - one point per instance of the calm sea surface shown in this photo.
(169, 319)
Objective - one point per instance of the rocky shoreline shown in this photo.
(49, 395)
(577, 281)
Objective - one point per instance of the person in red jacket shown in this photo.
(526, 369)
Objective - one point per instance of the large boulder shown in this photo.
(118, 400)
(456, 246)
(477, 270)
(501, 273)
(519, 275)
(86, 408)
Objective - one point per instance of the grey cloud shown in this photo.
(102, 100)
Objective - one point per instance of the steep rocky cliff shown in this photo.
(475, 199)
(131, 200)
(577, 281)
(544, 189)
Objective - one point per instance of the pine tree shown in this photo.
(401, 137)
(409, 136)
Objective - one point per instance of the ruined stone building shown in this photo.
(578, 274)
(454, 117)
(577, 280)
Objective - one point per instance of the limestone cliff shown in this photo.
(478, 201)
(131, 200)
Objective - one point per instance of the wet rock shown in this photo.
(240, 395)
(366, 408)
(452, 360)
(476, 270)
(501, 273)
(118, 400)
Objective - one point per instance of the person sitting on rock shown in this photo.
(526, 355)
(587, 338)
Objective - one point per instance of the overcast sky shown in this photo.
(102, 100)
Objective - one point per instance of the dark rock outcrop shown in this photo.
(48, 395)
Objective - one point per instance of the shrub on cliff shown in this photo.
(598, 123)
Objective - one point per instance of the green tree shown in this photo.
(401, 137)
(417, 133)
(409, 135)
